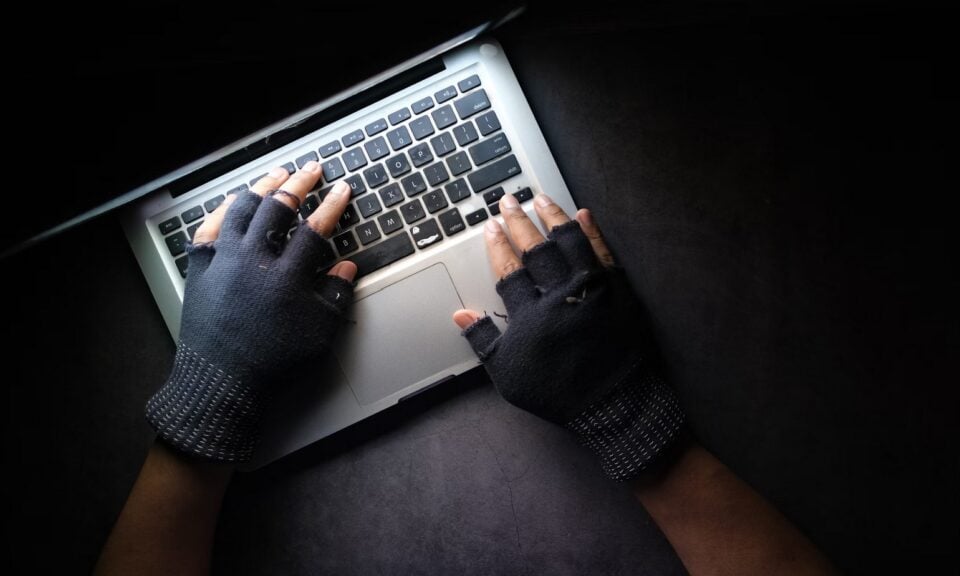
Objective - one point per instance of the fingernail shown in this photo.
(588, 217)
(312, 166)
(278, 172)
(543, 200)
(492, 227)
(340, 188)
(509, 202)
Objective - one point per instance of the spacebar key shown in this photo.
(494, 173)
(386, 252)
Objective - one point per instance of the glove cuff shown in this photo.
(206, 412)
(632, 426)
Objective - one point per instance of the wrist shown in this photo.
(633, 426)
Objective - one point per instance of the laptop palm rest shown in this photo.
(409, 322)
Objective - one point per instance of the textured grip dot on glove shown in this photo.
(574, 353)
(254, 312)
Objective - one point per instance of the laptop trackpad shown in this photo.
(402, 335)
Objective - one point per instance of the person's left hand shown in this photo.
(255, 308)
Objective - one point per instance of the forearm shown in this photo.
(719, 525)
(168, 522)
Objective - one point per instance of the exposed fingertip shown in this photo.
(346, 270)
(585, 217)
(278, 172)
(312, 166)
(339, 189)
(465, 318)
(492, 227)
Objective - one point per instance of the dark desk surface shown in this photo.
(776, 194)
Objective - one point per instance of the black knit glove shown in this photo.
(574, 354)
(254, 310)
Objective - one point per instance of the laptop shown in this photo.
(428, 148)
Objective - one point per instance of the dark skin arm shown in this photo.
(719, 525)
(168, 521)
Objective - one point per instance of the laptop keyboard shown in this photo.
(407, 172)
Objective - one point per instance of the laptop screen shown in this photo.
(135, 103)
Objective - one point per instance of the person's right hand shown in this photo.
(573, 351)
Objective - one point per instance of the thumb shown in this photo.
(464, 318)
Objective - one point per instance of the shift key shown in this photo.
(494, 173)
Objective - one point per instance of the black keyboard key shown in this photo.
(459, 163)
(376, 148)
(489, 149)
(345, 243)
(368, 232)
(422, 105)
(398, 116)
(238, 189)
(182, 264)
(352, 138)
(469, 83)
(309, 205)
(493, 196)
(494, 173)
(323, 193)
(391, 194)
(369, 205)
(289, 167)
(488, 123)
(301, 161)
(451, 222)
(436, 174)
(192, 214)
(494, 209)
(329, 149)
(470, 105)
(477, 217)
(443, 144)
(420, 154)
(332, 169)
(457, 190)
(412, 211)
(398, 165)
(445, 94)
(177, 243)
(434, 201)
(384, 253)
(426, 234)
(390, 222)
(257, 179)
(465, 133)
(349, 217)
(523, 195)
(413, 184)
(356, 185)
(375, 127)
(168, 226)
(399, 138)
(421, 127)
(354, 159)
(193, 230)
(213, 203)
(375, 175)
(444, 117)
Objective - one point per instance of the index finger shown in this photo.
(324, 218)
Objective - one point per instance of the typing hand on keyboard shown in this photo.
(255, 308)
(574, 351)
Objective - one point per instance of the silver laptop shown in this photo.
(427, 162)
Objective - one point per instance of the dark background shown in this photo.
(774, 181)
